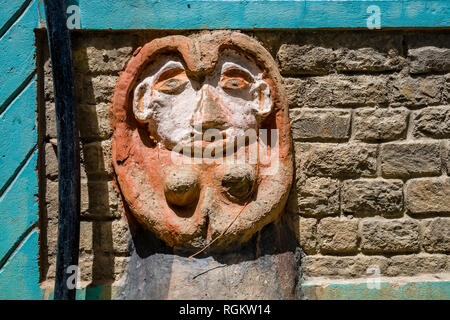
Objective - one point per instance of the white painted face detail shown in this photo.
(181, 112)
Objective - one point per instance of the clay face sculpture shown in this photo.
(201, 144)
(227, 102)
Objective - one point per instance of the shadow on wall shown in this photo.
(100, 206)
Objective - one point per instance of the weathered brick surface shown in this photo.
(313, 124)
(409, 265)
(370, 197)
(417, 91)
(112, 236)
(446, 154)
(380, 124)
(337, 235)
(94, 122)
(424, 196)
(337, 91)
(404, 160)
(429, 59)
(318, 197)
(97, 157)
(342, 267)
(101, 54)
(433, 122)
(361, 266)
(336, 160)
(313, 53)
(436, 235)
(99, 199)
(306, 59)
(305, 230)
(50, 120)
(389, 236)
(94, 89)
(51, 161)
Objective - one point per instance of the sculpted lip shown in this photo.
(208, 135)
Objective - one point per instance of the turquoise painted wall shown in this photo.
(19, 274)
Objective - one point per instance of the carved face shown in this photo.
(202, 94)
(208, 112)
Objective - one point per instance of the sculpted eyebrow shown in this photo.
(237, 72)
(170, 73)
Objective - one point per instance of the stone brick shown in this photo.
(337, 91)
(321, 53)
(336, 160)
(436, 235)
(338, 235)
(112, 236)
(48, 81)
(307, 59)
(415, 264)
(389, 236)
(93, 122)
(323, 124)
(86, 236)
(84, 265)
(94, 89)
(305, 230)
(429, 59)
(342, 267)
(447, 155)
(52, 236)
(99, 199)
(50, 120)
(318, 197)
(420, 91)
(97, 157)
(369, 197)
(425, 196)
(51, 199)
(378, 124)
(410, 159)
(104, 54)
(120, 266)
(51, 161)
(433, 122)
(367, 59)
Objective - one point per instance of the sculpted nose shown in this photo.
(208, 114)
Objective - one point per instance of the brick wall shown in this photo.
(370, 117)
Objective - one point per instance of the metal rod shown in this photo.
(68, 148)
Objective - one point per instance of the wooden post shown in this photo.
(68, 148)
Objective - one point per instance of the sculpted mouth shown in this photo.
(209, 136)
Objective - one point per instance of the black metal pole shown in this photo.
(68, 148)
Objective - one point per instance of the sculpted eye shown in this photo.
(235, 79)
(171, 82)
(172, 86)
(234, 83)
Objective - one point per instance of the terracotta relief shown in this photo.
(201, 146)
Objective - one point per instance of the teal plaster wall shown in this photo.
(19, 271)
(19, 274)
(427, 290)
(216, 14)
